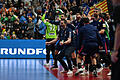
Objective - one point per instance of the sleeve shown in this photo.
(35, 21)
(70, 33)
(56, 28)
(45, 22)
(101, 24)
(104, 26)
(99, 39)
(43, 17)
(79, 38)
(20, 20)
(34, 12)
(43, 29)
(59, 33)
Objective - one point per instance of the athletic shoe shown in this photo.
(54, 67)
(95, 73)
(69, 72)
(109, 74)
(79, 70)
(84, 73)
(100, 69)
(82, 69)
(47, 64)
(74, 67)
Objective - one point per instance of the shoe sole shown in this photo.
(54, 68)
(78, 73)
(69, 73)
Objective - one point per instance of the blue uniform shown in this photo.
(89, 38)
(65, 33)
(99, 24)
(66, 49)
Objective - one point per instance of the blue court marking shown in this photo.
(23, 69)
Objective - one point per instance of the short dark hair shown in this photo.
(85, 20)
(96, 15)
(64, 21)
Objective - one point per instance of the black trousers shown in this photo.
(66, 52)
(48, 49)
(52, 49)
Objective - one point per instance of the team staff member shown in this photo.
(89, 39)
(51, 33)
(78, 23)
(66, 49)
(115, 57)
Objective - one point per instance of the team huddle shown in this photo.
(84, 42)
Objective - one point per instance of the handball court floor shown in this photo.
(34, 69)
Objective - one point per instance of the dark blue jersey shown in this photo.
(64, 34)
(88, 34)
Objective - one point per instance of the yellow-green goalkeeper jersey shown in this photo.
(51, 29)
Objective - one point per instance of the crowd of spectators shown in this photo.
(22, 19)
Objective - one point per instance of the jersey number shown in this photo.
(52, 28)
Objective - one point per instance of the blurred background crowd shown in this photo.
(21, 19)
